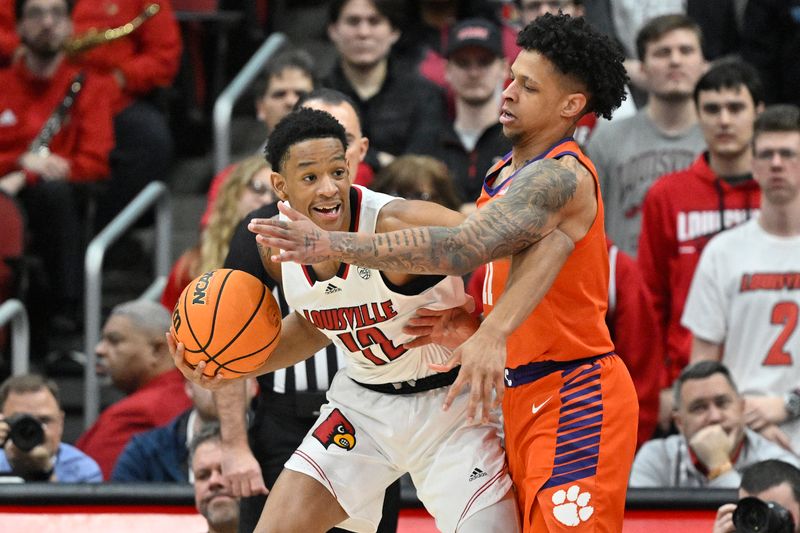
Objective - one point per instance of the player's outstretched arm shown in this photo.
(533, 206)
(483, 355)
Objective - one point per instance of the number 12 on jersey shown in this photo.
(367, 339)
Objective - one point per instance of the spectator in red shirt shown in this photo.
(133, 351)
(9, 40)
(77, 151)
(683, 210)
(141, 63)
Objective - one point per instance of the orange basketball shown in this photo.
(229, 319)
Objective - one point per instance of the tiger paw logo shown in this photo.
(572, 506)
(336, 429)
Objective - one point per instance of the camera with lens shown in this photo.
(757, 516)
(25, 431)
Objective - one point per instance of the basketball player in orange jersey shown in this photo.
(544, 349)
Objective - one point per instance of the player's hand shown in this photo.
(299, 239)
(777, 435)
(482, 358)
(723, 523)
(761, 411)
(242, 472)
(195, 375)
(447, 327)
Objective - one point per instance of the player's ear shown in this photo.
(279, 184)
(574, 104)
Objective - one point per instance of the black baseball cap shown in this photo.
(475, 32)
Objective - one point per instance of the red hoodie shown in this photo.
(681, 212)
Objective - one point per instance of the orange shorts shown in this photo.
(570, 441)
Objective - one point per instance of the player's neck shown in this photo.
(671, 117)
(534, 145)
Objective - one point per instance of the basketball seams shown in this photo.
(216, 310)
(263, 320)
(224, 366)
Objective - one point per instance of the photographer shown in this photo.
(31, 426)
(776, 485)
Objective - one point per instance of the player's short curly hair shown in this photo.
(583, 54)
(301, 125)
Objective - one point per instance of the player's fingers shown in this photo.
(290, 213)
(487, 400)
(453, 392)
(257, 485)
(417, 342)
(424, 311)
(425, 320)
(499, 391)
(475, 397)
(450, 364)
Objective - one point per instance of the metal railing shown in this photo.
(14, 311)
(223, 107)
(155, 193)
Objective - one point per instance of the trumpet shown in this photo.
(94, 37)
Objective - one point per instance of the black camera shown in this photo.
(757, 516)
(26, 432)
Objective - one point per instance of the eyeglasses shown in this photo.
(259, 187)
(37, 13)
(784, 153)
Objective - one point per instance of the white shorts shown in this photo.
(364, 440)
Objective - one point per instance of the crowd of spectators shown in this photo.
(700, 185)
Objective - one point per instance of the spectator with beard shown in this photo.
(212, 496)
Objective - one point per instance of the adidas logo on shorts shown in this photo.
(477, 473)
(331, 288)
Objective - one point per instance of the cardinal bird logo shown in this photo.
(336, 429)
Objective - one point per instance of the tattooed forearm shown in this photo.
(530, 209)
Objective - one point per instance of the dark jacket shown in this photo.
(160, 454)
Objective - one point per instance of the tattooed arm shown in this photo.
(540, 198)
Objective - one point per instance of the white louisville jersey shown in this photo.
(746, 295)
(364, 313)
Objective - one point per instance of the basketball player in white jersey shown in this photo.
(383, 417)
(744, 302)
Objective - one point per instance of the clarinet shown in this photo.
(41, 144)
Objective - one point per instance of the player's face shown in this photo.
(475, 74)
(726, 118)
(782, 495)
(673, 64)
(285, 88)
(535, 100)
(44, 26)
(42, 405)
(709, 401)
(362, 35)
(776, 166)
(315, 181)
(212, 496)
(357, 144)
(125, 353)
